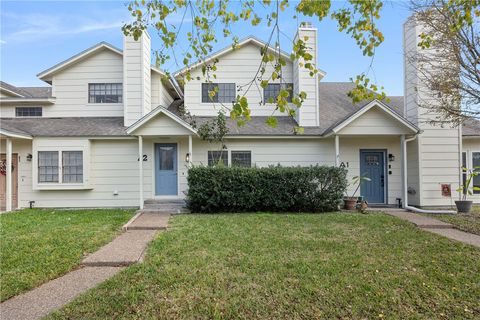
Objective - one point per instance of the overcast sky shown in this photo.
(36, 35)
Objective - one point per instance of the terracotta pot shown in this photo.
(349, 203)
(464, 206)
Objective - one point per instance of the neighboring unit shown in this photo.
(111, 131)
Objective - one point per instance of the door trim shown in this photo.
(154, 166)
(385, 171)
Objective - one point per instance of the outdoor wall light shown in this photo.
(29, 157)
(391, 157)
(187, 157)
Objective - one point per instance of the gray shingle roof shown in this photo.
(335, 107)
(471, 127)
(28, 92)
(65, 127)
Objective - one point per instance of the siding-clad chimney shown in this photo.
(136, 77)
(308, 114)
(434, 157)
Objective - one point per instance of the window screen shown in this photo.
(464, 174)
(47, 166)
(242, 158)
(271, 92)
(476, 163)
(28, 111)
(105, 92)
(225, 94)
(72, 162)
(217, 157)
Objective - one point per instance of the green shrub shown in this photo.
(275, 189)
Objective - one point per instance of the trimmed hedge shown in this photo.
(273, 189)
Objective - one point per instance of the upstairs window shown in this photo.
(217, 157)
(224, 92)
(272, 90)
(242, 159)
(105, 93)
(28, 111)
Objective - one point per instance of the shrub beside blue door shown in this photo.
(166, 171)
(372, 164)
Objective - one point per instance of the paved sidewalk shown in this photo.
(52, 295)
(436, 226)
(126, 249)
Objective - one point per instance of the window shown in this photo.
(72, 162)
(271, 92)
(225, 92)
(464, 174)
(105, 92)
(476, 163)
(47, 166)
(217, 157)
(242, 158)
(28, 111)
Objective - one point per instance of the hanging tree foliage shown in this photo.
(356, 18)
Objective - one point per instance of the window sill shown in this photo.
(62, 186)
(105, 104)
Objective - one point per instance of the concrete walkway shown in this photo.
(126, 249)
(436, 226)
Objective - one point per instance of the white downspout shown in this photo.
(404, 182)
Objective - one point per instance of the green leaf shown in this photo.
(272, 122)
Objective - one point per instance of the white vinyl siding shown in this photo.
(239, 67)
(70, 87)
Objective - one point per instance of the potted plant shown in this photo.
(464, 205)
(351, 201)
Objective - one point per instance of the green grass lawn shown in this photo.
(39, 245)
(466, 222)
(296, 266)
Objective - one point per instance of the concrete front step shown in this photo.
(165, 206)
(124, 250)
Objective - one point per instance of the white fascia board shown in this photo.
(140, 122)
(369, 106)
(10, 134)
(11, 92)
(226, 50)
(78, 57)
(157, 70)
(28, 100)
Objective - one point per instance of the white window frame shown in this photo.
(60, 146)
(229, 153)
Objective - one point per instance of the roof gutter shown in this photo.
(28, 100)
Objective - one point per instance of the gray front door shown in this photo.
(372, 164)
(166, 183)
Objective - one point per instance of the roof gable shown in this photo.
(46, 74)
(374, 118)
(251, 40)
(160, 121)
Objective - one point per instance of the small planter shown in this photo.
(349, 203)
(464, 206)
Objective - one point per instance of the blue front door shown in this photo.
(166, 169)
(372, 165)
